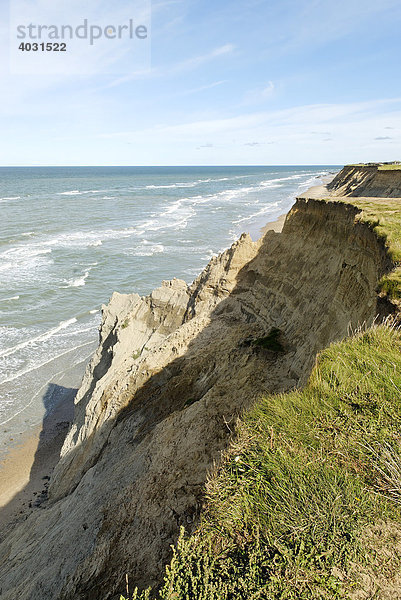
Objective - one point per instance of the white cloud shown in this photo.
(189, 64)
(260, 95)
(278, 137)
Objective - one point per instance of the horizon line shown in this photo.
(168, 166)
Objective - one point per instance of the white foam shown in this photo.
(266, 209)
(7, 198)
(47, 382)
(94, 311)
(77, 282)
(165, 187)
(40, 338)
(81, 193)
(155, 249)
(10, 298)
(27, 255)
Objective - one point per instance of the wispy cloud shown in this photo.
(259, 95)
(296, 118)
(187, 65)
(202, 88)
(352, 125)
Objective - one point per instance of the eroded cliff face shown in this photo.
(368, 181)
(161, 395)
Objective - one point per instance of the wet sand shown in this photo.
(276, 225)
(26, 469)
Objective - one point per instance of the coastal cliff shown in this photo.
(371, 180)
(172, 373)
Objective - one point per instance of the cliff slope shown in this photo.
(161, 396)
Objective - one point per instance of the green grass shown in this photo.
(380, 166)
(383, 215)
(289, 509)
(396, 167)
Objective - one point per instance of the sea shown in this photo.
(70, 236)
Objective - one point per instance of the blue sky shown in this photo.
(232, 82)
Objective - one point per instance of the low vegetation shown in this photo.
(383, 215)
(306, 502)
(390, 167)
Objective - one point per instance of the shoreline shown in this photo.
(276, 225)
(315, 191)
(26, 468)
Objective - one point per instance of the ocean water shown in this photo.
(69, 237)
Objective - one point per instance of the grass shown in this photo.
(289, 509)
(383, 215)
(380, 166)
(396, 167)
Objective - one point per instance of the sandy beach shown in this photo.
(317, 191)
(276, 225)
(26, 469)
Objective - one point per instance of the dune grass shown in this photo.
(290, 507)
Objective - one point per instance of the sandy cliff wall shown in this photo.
(368, 181)
(160, 397)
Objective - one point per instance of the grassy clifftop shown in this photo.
(306, 503)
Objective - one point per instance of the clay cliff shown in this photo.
(370, 180)
(160, 398)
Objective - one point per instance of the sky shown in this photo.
(232, 82)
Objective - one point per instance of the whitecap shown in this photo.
(28, 255)
(77, 282)
(150, 251)
(10, 298)
(7, 198)
(266, 209)
(39, 338)
(35, 368)
(70, 193)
